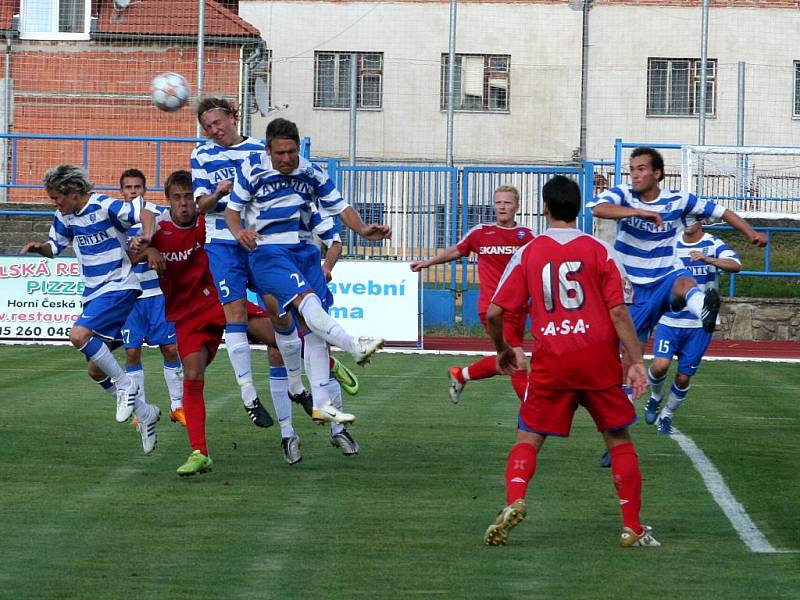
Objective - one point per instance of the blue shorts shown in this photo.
(106, 314)
(229, 269)
(689, 344)
(278, 270)
(311, 266)
(650, 302)
(146, 324)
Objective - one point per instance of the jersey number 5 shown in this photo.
(570, 292)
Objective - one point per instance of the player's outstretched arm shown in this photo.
(636, 377)
(443, 256)
(373, 231)
(43, 248)
(612, 211)
(737, 222)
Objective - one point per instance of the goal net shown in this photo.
(760, 182)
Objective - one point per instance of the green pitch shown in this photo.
(85, 515)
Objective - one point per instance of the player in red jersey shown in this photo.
(573, 286)
(494, 244)
(176, 252)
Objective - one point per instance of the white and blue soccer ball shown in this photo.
(170, 91)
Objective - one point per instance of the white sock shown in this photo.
(335, 393)
(279, 390)
(656, 385)
(465, 373)
(694, 302)
(137, 374)
(317, 363)
(96, 351)
(173, 375)
(324, 326)
(676, 398)
(291, 349)
(239, 354)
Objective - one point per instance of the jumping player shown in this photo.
(97, 226)
(272, 189)
(176, 250)
(649, 222)
(574, 289)
(214, 165)
(493, 244)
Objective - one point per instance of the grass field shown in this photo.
(85, 515)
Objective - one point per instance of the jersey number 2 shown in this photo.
(570, 292)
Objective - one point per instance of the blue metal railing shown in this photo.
(429, 207)
(767, 265)
(85, 140)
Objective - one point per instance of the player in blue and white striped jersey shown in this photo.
(146, 323)
(680, 333)
(96, 226)
(214, 167)
(270, 192)
(649, 222)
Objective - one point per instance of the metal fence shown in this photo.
(428, 207)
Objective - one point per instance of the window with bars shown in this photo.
(55, 19)
(481, 82)
(332, 80)
(796, 112)
(673, 87)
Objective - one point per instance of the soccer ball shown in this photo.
(169, 91)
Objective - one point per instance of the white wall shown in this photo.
(545, 77)
(622, 39)
(544, 41)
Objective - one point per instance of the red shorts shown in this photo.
(200, 331)
(513, 327)
(550, 412)
(254, 310)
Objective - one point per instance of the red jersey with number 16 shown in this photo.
(187, 284)
(494, 246)
(572, 280)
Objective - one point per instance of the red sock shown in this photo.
(484, 368)
(519, 381)
(628, 481)
(330, 363)
(520, 467)
(194, 408)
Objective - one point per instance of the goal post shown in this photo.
(758, 182)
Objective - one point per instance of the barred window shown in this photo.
(673, 86)
(481, 82)
(332, 80)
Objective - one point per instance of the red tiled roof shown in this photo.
(170, 17)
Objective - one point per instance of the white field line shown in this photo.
(747, 530)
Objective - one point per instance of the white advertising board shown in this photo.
(40, 298)
(377, 299)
